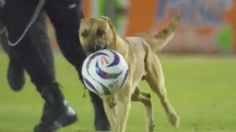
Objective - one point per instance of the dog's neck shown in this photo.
(120, 45)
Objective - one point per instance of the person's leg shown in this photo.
(65, 16)
(101, 122)
(15, 72)
(35, 55)
(56, 112)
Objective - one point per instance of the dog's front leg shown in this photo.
(111, 112)
(123, 107)
(123, 112)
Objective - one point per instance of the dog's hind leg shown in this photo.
(155, 78)
(145, 98)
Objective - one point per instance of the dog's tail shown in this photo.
(161, 39)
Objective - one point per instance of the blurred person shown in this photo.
(213, 12)
(165, 9)
(163, 4)
(196, 12)
(231, 19)
(160, 9)
(26, 43)
(116, 10)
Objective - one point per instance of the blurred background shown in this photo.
(199, 66)
(207, 26)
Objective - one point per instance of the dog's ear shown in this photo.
(104, 17)
(108, 20)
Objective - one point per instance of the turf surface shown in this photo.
(202, 89)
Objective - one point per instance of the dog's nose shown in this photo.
(95, 48)
(92, 49)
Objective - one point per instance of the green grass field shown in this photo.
(202, 89)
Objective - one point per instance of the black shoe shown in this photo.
(56, 119)
(15, 75)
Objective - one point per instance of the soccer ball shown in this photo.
(105, 72)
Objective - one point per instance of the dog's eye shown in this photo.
(100, 32)
(84, 33)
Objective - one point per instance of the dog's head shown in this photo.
(96, 33)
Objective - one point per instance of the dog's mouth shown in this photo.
(94, 48)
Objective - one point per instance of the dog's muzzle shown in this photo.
(94, 48)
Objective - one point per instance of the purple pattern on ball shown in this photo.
(104, 74)
(86, 81)
(116, 60)
(125, 78)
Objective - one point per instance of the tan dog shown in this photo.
(140, 54)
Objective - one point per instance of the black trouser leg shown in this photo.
(39, 63)
(66, 19)
(100, 123)
(54, 108)
(35, 55)
(15, 71)
(39, 37)
(66, 22)
(47, 87)
(33, 50)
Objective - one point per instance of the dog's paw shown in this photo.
(174, 120)
(151, 126)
